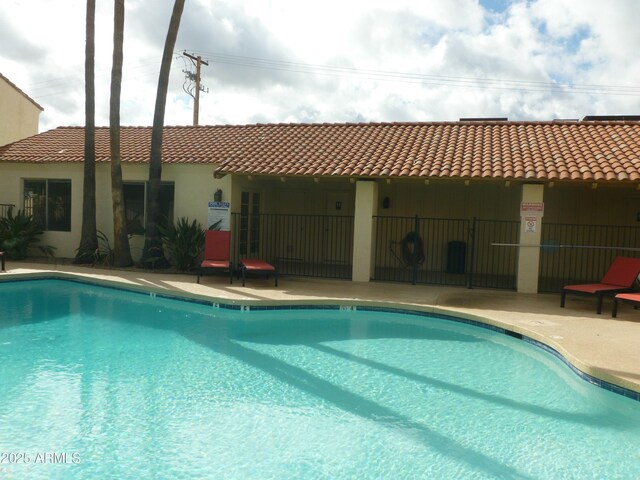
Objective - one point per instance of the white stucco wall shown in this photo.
(194, 188)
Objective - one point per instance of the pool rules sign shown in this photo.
(531, 213)
(218, 216)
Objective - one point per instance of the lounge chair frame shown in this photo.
(254, 265)
(631, 298)
(619, 278)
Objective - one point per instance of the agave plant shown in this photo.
(19, 233)
(183, 243)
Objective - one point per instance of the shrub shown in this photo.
(183, 243)
(19, 233)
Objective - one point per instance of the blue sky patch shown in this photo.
(497, 6)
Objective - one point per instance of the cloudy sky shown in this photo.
(335, 60)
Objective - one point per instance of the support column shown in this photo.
(363, 231)
(531, 213)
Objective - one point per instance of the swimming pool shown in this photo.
(118, 384)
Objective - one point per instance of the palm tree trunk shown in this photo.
(89, 237)
(121, 250)
(152, 254)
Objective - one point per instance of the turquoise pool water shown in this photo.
(114, 384)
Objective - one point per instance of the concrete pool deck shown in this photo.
(603, 347)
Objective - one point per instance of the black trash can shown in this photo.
(456, 256)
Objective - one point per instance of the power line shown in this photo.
(61, 85)
(421, 78)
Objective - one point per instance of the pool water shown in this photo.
(115, 384)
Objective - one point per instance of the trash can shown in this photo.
(456, 256)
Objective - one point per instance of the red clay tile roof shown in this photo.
(587, 151)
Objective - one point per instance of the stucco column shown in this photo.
(531, 212)
(363, 231)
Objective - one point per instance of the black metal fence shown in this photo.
(6, 209)
(494, 266)
(446, 251)
(421, 250)
(582, 253)
(442, 251)
(301, 245)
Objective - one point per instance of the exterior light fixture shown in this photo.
(217, 196)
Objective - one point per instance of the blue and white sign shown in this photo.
(218, 216)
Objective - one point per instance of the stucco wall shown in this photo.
(18, 116)
(194, 188)
(605, 205)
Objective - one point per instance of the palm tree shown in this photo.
(121, 250)
(152, 254)
(89, 236)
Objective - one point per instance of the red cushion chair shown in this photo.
(619, 278)
(253, 265)
(217, 253)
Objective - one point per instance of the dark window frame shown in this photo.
(136, 220)
(49, 202)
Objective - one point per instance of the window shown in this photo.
(249, 241)
(49, 203)
(135, 203)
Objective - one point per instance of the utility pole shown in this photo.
(197, 61)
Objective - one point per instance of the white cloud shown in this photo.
(448, 43)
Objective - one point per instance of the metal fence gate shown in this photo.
(301, 245)
(445, 251)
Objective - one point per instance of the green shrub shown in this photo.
(19, 233)
(183, 243)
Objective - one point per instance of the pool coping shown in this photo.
(586, 372)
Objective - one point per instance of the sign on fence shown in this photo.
(530, 224)
(218, 216)
(532, 208)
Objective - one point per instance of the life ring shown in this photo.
(412, 249)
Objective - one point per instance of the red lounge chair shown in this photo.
(257, 266)
(619, 278)
(2, 261)
(632, 298)
(217, 253)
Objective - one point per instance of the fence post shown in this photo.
(472, 249)
(414, 254)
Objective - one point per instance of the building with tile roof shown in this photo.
(558, 172)
(19, 115)
(524, 151)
